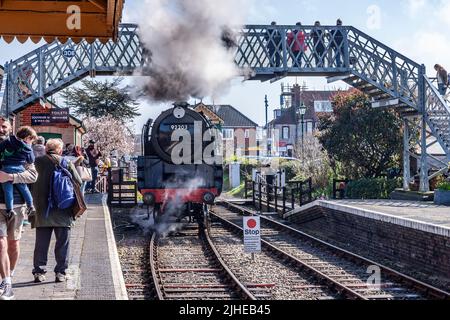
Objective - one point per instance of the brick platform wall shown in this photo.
(418, 253)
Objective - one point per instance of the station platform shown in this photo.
(94, 268)
(412, 237)
(423, 216)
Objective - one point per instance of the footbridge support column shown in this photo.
(406, 156)
(424, 177)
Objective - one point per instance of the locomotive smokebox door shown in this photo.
(179, 112)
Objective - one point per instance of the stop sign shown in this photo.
(252, 234)
(252, 223)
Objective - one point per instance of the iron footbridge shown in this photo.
(344, 53)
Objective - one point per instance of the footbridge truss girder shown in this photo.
(269, 53)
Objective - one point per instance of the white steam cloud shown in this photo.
(174, 206)
(188, 56)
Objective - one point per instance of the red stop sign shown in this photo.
(251, 223)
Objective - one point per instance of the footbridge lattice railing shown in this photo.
(270, 52)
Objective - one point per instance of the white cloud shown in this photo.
(443, 13)
(428, 48)
(415, 6)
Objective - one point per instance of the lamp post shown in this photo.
(301, 111)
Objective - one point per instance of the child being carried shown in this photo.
(15, 153)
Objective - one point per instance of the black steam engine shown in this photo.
(180, 172)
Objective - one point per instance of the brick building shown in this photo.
(71, 131)
(287, 120)
(240, 134)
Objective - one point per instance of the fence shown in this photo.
(263, 194)
(121, 193)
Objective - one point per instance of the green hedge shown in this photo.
(376, 188)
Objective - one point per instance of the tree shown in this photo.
(360, 140)
(100, 99)
(110, 134)
(313, 162)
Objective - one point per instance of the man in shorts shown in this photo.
(11, 227)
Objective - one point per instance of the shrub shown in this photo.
(375, 188)
(444, 186)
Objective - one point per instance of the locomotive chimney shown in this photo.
(181, 104)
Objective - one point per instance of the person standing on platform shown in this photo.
(94, 157)
(39, 147)
(46, 222)
(11, 228)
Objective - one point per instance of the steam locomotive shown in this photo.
(180, 172)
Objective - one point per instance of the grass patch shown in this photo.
(238, 192)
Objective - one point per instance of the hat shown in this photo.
(91, 142)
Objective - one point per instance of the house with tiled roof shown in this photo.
(240, 133)
(288, 122)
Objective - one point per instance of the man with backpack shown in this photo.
(11, 227)
(54, 202)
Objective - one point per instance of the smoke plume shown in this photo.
(174, 206)
(189, 46)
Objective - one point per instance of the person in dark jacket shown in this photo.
(57, 221)
(274, 45)
(337, 43)
(94, 157)
(15, 153)
(317, 34)
(442, 79)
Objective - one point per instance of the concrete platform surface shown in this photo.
(424, 216)
(94, 267)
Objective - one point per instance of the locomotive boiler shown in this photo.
(180, 172)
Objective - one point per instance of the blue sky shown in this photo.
(416, 28)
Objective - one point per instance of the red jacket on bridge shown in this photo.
(298, 37)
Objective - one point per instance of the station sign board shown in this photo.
(69, 53)
(252, 234)
(56, 116)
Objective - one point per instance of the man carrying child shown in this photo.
(16, 153)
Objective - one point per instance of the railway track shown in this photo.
(186, 266)
(341, 270)
(269, 276)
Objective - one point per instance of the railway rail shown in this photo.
(339, 269)
(268, 276)
(186, 266)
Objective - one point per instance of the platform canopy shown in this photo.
(78, 20)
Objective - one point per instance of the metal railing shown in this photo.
(273, 197)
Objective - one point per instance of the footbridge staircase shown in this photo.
(268, 53)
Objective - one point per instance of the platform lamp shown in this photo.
(301, 111)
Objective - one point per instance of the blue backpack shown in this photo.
(62, 194)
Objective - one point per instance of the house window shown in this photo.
(247, 133)
(323, 106)
(259, 134)
(228, 134)
(285, 133)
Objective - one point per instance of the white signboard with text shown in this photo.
(252, 235)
